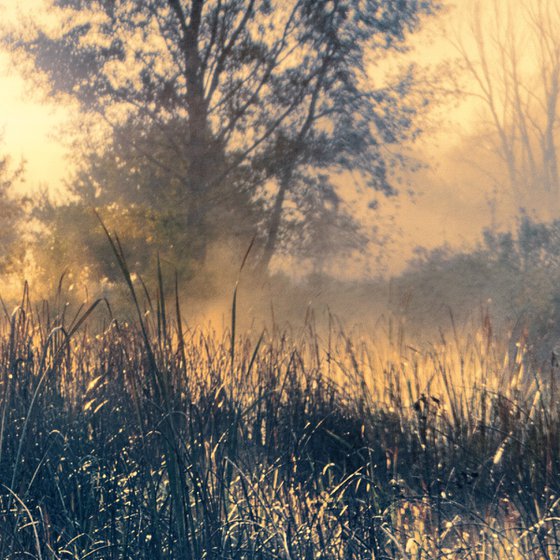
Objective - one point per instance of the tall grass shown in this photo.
(148, 439)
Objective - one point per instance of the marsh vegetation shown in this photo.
(149, 438)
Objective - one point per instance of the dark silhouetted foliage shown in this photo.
(223, 113)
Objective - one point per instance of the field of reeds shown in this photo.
(152, 439)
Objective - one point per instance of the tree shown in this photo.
(12, 207)
(250, 99)
(513, 60)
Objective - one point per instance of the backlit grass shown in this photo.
(150, 439)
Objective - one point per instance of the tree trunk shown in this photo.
(202, 155)
(275, 220)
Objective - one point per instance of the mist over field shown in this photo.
(279, 279)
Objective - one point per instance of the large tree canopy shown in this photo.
(232, 104)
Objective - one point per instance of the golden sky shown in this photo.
(29, 126)
(30, 129)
